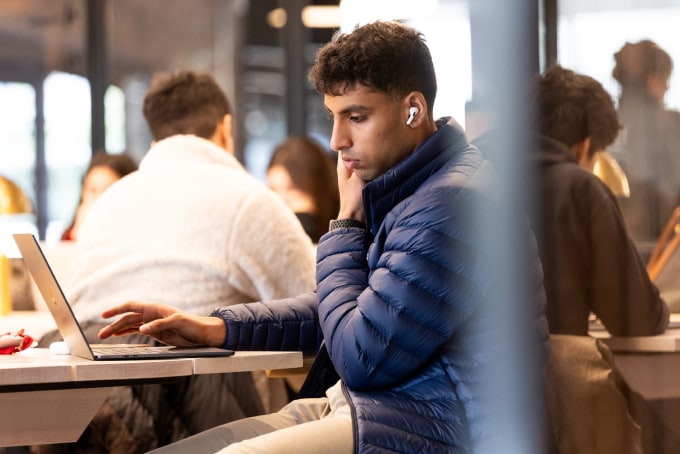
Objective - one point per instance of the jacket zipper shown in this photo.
(353, 412)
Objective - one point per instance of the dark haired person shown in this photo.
(302, 173)
(405, 293)
(591, 265)
(104, 170)
(648, 148)
(590, 262)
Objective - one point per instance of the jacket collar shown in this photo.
(383, 193)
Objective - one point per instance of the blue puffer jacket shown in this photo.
(403, 305)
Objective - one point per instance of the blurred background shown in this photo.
(73, 73)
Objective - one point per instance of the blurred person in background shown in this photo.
(304, 175)
(648, 147)
(104, 170)
(590, 262)
(591, 265)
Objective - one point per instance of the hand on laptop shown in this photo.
(165, 324)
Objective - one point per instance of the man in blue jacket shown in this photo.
(406, 289)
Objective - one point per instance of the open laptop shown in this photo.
(70, 329)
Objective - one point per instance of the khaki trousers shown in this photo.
(304, 426)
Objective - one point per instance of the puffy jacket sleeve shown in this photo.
(289, 324)
(382, 326)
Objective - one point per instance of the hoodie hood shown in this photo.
(551, 152)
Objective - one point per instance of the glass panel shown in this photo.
(17, 156)
(143, 39)
(584, 46)
(67, 144)
(114, 107)
(648, 147)
(447, 31)
(17, 139)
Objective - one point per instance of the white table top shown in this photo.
(667, 342)
(37, 323)
(36, 384)
(36, 366)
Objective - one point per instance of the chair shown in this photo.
(666, 245)
(586, 399)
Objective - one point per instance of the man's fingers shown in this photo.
(174, 330)
(173, 323)
(127, 324)
(130, 306)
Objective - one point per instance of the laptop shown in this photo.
(70, 329)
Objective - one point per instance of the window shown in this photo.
(17, 138)
(590, 32)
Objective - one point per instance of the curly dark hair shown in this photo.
(184, 103)
(389, 57)
(573, 106)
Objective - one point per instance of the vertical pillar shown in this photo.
(40, 160)
(97, 68)
(294, 40)
(550, 23)
(505, 50)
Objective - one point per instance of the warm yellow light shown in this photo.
(321, 16)
(610, 172)
(277, 18)
(5, 293)
(12, 198)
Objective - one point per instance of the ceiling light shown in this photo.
(327, 16)
(277, 18)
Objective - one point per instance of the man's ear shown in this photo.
(415, 111)
(224, 134)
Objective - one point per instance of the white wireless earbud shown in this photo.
(412, 112)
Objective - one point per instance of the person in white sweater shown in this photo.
(191, 227)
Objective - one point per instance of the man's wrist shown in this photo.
(215, 331)
(345, 223)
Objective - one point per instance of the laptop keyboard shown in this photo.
(131, 350)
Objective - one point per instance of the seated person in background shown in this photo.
(303, 174)
(591, 264)
(104, 170)
(410, 304)
(194, 229)
(589, 260)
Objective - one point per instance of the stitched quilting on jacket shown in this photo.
(402, 305)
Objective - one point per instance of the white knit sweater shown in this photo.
(191, 228)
